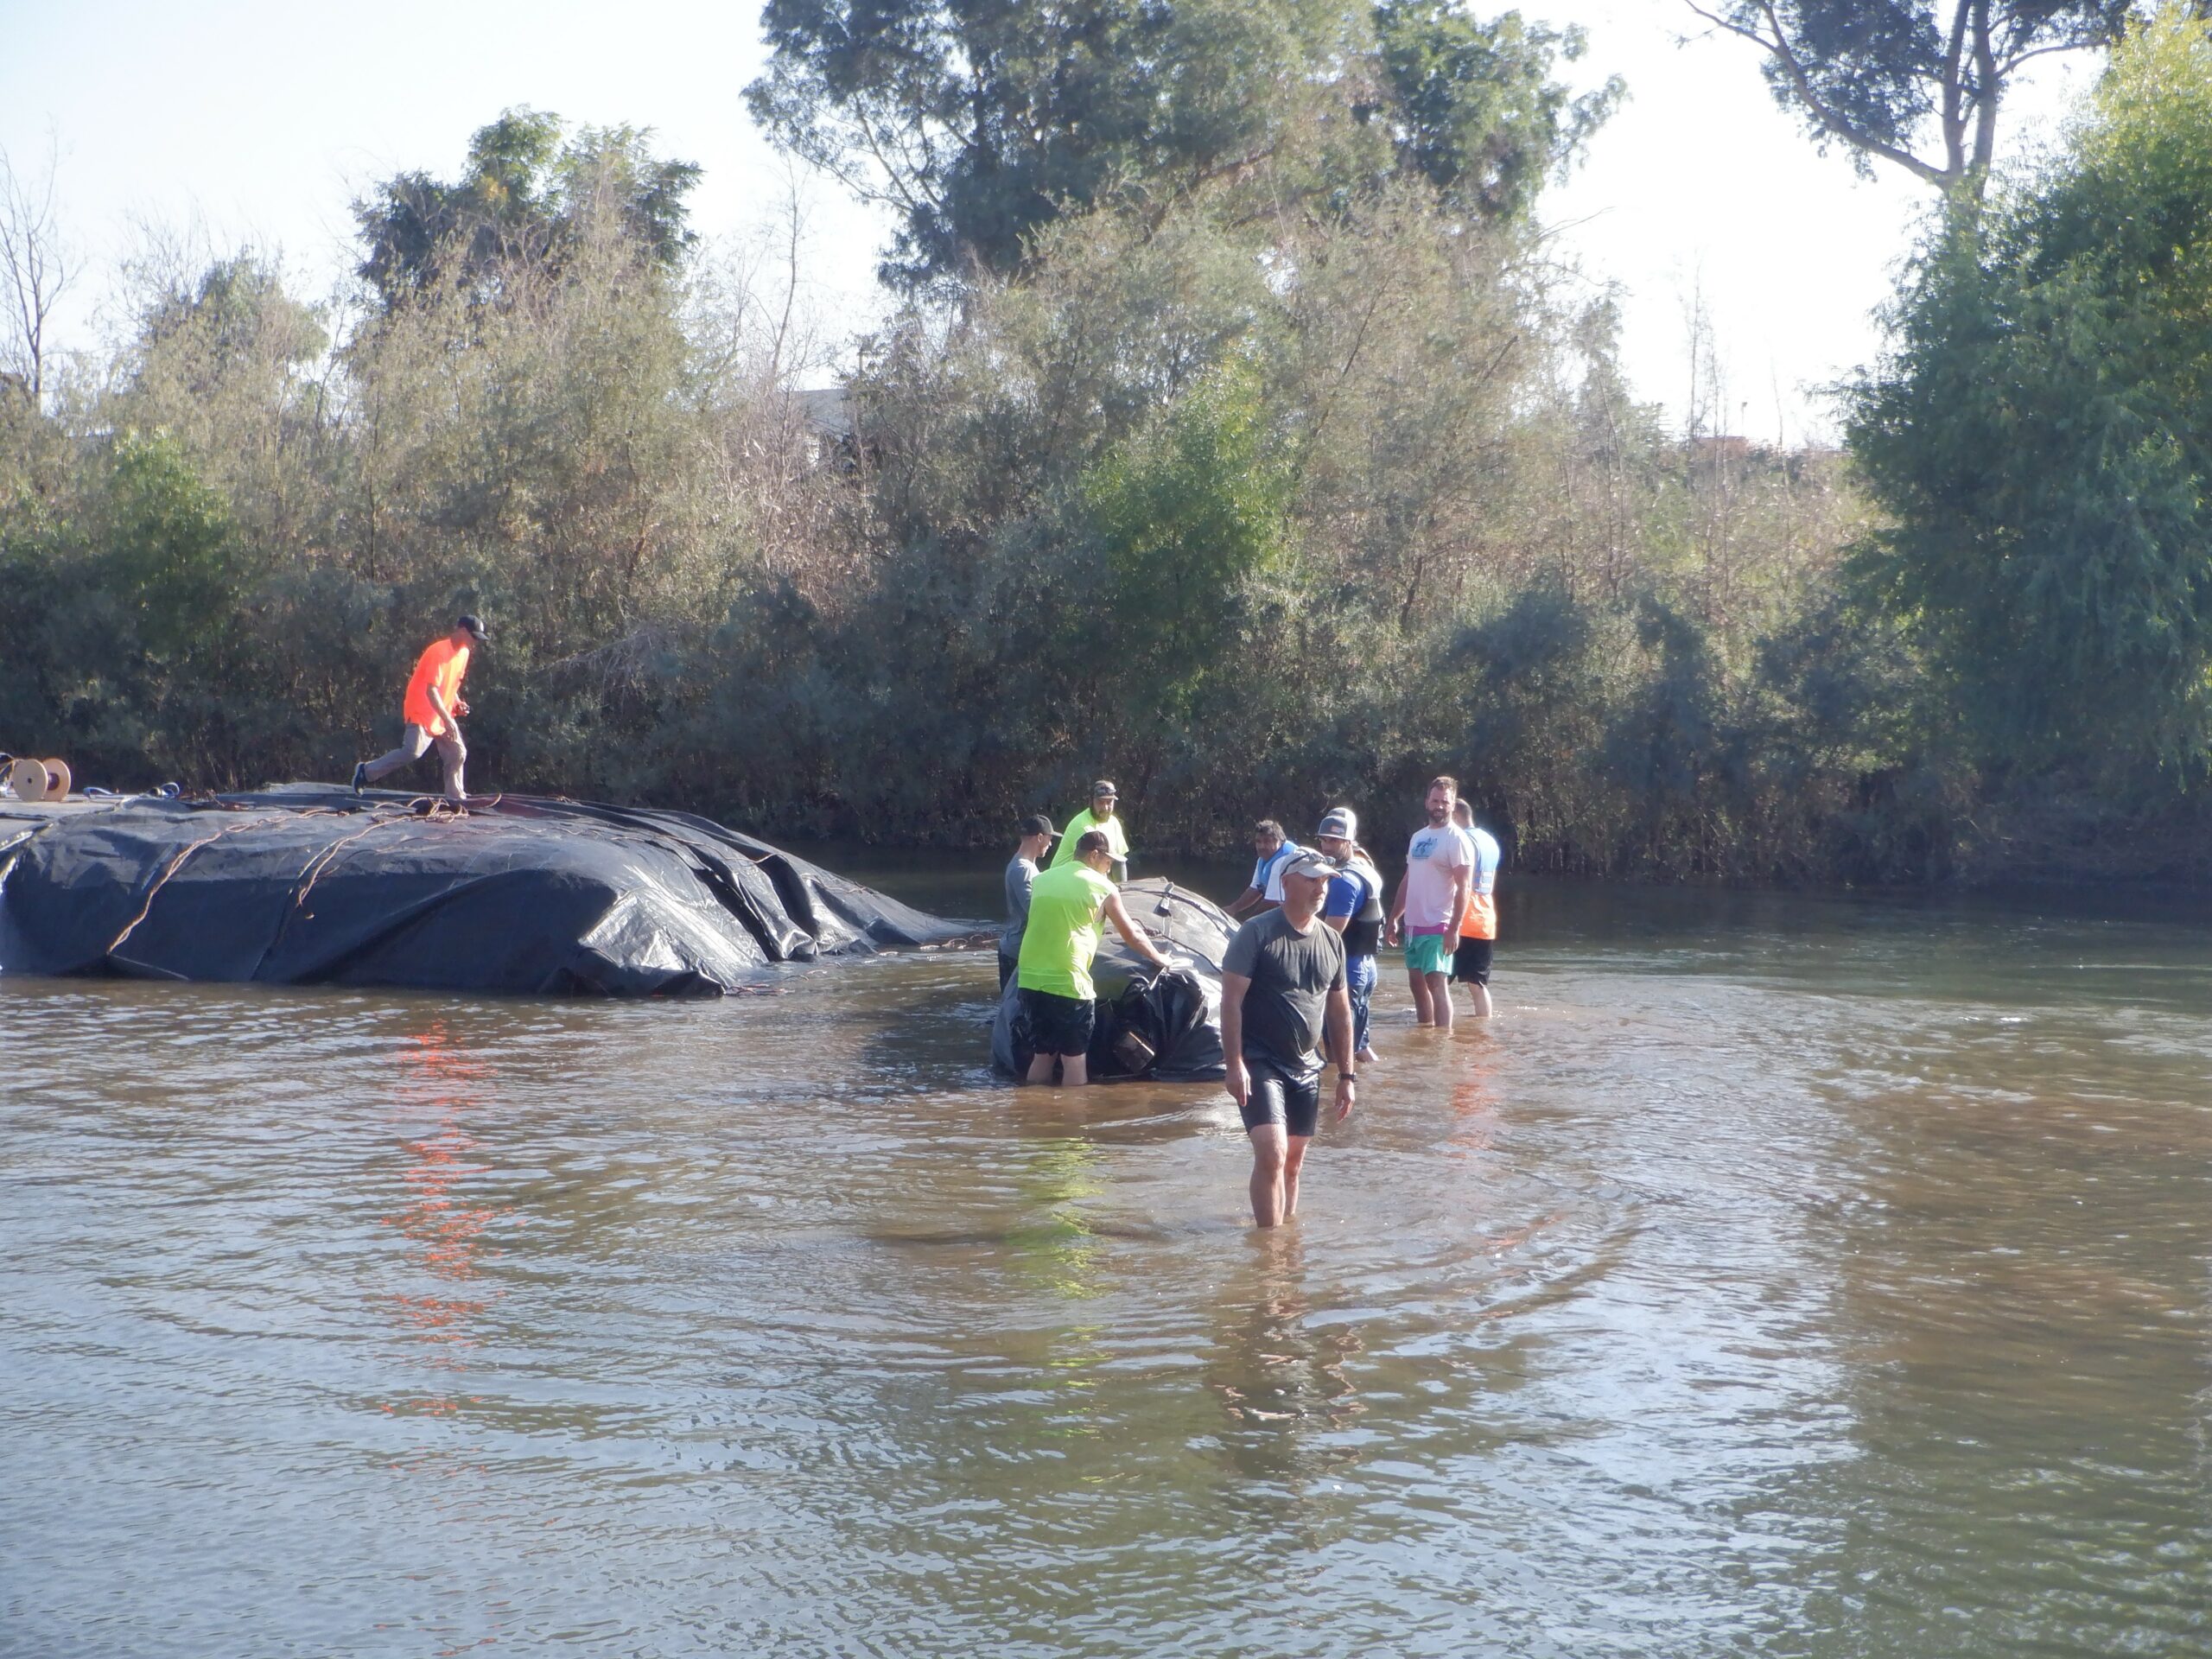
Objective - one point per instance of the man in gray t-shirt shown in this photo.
(1282, 994)
(1036, 832)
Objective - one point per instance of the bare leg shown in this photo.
(1293, 1161)
(1440, 995)
(1270, 1151)
(1040, 1069)
(1481, 994)
(1075, 1071)
(1424, 1013)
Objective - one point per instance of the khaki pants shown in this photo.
(412, 745)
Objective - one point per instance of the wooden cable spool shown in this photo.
(57, 779)
(28, 779)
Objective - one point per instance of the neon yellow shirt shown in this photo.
(1118, 841)
(1062, 937)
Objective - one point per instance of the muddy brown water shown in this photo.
(1779, 1275)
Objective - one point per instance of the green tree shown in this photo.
(977, 120)
(1182, 517)
(980, 121)
(528, 188)
(171, 563)
(2042, 433)
(1872, 74)
(1473, 105)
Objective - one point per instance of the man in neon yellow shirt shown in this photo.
(1058, 947)
(1100, 817)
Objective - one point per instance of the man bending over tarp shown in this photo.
(1056, 949)
(432, 708)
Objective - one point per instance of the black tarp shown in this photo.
(313, 884)
(1176, 1013)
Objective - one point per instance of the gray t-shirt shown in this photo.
(1292, 974)
(1020, 876)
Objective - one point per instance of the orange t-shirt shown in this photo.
(442, 665)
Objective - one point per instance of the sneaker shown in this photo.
(360, 776)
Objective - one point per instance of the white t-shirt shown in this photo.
(1430, 858)
(1266, 873)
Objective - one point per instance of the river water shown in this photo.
(1791, 1275)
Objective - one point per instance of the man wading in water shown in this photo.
(1432, 898)
(1478, 932)
(1036, 832)
(1056, 949)
(432, 709)
(1354, 909)
(1098, 816)
(1282, 990)
(1274, 850)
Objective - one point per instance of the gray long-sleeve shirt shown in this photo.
(1020, 875)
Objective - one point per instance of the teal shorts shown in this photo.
(1426, 954)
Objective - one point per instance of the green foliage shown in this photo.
(1256, 495)
(2044, 436)
(529, 189)
(980, 124)
(1875, 74)
(1184, 518)
(169, 564)
(1473, 108)
(125, 622)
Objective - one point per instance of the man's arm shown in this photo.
(1331, 900)
(1130, 934)
(1233, 987)
(1398, 908)
(1460, 887)
(437, 700)
(1335, 1029)
(1244, 901)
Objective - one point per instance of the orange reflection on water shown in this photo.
(1474, 1101)
(443, 1083)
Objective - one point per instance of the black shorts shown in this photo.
(1058, 1025)
(1471, 962)
(1275, 1098)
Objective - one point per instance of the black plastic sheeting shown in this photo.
(310, 885)
(1176, 1013)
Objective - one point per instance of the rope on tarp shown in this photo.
(162, 880)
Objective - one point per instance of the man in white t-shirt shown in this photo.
(1430, 903)
(1273, 851)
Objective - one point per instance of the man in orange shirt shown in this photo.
(1471, 962)
(432, 709)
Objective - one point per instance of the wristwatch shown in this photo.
(1347, 1076)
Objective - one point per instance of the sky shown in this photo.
(258, 121)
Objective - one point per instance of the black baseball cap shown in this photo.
(1036, 824)
(473, 624)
